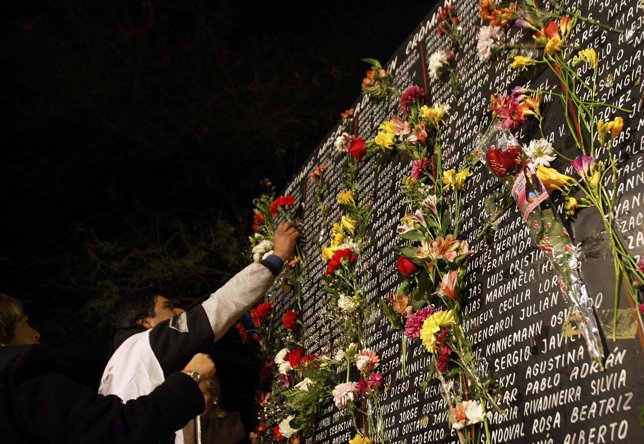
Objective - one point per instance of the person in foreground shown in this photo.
(166, 339)
(40, 405)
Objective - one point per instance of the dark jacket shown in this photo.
(39, 405)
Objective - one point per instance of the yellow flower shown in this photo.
(615, 127)
(521, 62)
(553, 45)
(594, 181)
(359, 439)
(571, 206)
(449, 179)
(434, 324)
(552, 179)
(407, 220)
(384, 139)
(589, 55)
(349, 224)
(389, 126)
(565, 26)
(434, 115)
(327, 253)
(346, 197)
(337, 235)
(461, 177)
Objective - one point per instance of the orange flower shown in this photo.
(448, 284)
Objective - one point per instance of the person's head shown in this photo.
(14, 323)
(143, 310)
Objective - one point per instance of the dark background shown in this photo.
(135, 136)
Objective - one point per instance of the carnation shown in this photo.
(259, 313)
(280, 202)
(344, 393)
(367, 360)
(290, 319)
(262, 249)
(410, 95)
(415, 321)
(489, 37)
(439, 62)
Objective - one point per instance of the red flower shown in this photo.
(503, 162)
(259, 313)
(406, 267)
(258, 221)
(280, 202)
(276, 432)
(443, 357)
(641, 308)
(294, 357)
(290, 319)
(242, 332)
(357, 149)
(336, 260)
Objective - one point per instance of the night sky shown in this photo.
(125, 120)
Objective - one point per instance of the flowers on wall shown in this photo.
(591, 156)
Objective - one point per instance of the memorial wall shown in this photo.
(512, 308)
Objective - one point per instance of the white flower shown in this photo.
(444, 107)
(340, 355)
(343, 393)
(437, 62)
(304, 385)
(283, 366)
(346, 304)
(340, 143)
(489, 37)
(262, 249)
(474, 412)
(430, 202)
(285, 427)
(541, 152)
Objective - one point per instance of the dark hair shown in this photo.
(11, 312)
(130, 309)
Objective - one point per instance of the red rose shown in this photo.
(259, 313)
(502, 161)
(290, 319)
(357, 149)
(280, 202)
(276, 432)
(406, 267)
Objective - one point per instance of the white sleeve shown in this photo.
(225, 306)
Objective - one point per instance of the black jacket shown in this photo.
(39, 405)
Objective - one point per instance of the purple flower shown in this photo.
(518, 93)
(410, 95)
(415, 321)
(583, 165)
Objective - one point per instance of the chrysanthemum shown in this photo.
(438, 64)
(541, 152)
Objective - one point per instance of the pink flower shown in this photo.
(418, 167)
(375, 380)
(415, 321)
(448, 285)
(640, 264)
(584, 165)
(344, 393)
(367, 360)
(411, 94)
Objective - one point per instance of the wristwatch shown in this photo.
(194, 375)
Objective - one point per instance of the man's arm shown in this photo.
(174, 341)
(56, 409)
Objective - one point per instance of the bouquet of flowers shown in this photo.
(506, 159)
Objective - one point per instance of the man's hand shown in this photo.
(202, 364)
(286, 235)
